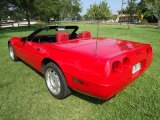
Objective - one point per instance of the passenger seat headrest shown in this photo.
(85, 34)
(62, 36)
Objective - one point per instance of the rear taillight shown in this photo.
(116, 66)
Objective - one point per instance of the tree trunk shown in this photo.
(47, 20)
(18, 22)
(0, 23)
(28, 19)
(159, 23)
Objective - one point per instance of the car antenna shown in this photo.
(97, 29)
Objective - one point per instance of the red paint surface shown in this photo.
(79, 59)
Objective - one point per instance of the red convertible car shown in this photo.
(99, 67)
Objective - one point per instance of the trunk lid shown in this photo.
(105, 46)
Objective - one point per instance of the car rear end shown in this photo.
(107, 69)
(121, 70)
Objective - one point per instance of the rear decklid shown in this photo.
(105, 47)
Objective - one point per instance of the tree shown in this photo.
(92, 13)
(16, 15)
(98, 11)
(70, 10)
(75, 9)
(25, 6)
(131, 9)
(148, 14)
(4, 10)
(104, 10)
(47, 9)
(154, 5)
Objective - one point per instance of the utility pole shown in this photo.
(129, 16)
(123, 3)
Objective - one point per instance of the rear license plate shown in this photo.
(136, 68)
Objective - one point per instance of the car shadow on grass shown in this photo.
(18, 29)
(147, 27)
(118, 28)
(5, 36)
(88, 98)
(40, 74)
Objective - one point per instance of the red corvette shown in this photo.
(99, 67)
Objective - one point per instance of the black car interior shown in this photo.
(59, 36)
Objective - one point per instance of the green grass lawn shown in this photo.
(23, 94)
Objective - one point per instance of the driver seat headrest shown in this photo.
(62, 36)
(85, 34)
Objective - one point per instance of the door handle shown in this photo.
(38, 49)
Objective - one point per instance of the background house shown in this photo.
(123, 17)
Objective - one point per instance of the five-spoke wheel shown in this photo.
(55, 81)
(12, 53)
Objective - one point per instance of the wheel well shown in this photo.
(46, 61)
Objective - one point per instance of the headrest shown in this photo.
(85, 34)
(62, 36)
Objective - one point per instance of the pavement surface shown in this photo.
(16, 24)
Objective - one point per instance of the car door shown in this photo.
(32, 53)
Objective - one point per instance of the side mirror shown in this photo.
(23, 39)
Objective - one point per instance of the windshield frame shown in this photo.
(75, 29)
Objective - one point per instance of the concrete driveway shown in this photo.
(20, 24)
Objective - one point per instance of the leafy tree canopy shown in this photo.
(44, 9)
(98, 11)
(154, 6)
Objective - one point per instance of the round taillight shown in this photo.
(126, 61)
(116, 66)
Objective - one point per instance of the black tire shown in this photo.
(12, 53)
(57, 79)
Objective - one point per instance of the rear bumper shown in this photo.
(105, 91)
(108, 90)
